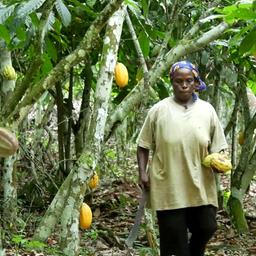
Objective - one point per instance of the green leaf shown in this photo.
(6, 12)
(252, 85)
(4, 34)
(63, 12)
(240, 12)
(21, 33)
(145, 7)
(47, 65)
(48, 25)
(233, 8)
(91, 3)
(19, 239)
(29, 7)
(35, 245)
(132, 4)
(34, 19)
(51, 50)
(248, 42)
(144, 43)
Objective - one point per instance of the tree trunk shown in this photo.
(244, 171)
(89, 160)
(10, 194)
(235, 205)
(81, 127)
(10, 191)
(52, 216)
(62, 129)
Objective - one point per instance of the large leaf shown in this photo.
(51, 50)
(63, 12)
(145, 7)
(6, 12)
(248, 42)
(144, 43)
(238, 12)
(29, 7)
(48, 25)
(4, 34)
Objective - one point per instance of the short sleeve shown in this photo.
(218, 140)
(146, 135)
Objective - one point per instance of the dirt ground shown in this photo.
(115, 210)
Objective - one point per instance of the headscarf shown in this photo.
(188, 65)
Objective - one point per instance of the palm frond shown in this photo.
(6, 12)
(29, 7)
(63, 12)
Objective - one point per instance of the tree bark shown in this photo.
(54, 211)
(244, 171)
(8, 178)
(89, 160)
(81, 127)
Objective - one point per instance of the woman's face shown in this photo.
(184, 84)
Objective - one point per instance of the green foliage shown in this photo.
(20, 241)
(252, 85)
(63, 12)
(29, 7)
(248, 42)
(5, 34)
(146, 251)
(237, 12)
(226, 195)
(6, 12)
(91, 234)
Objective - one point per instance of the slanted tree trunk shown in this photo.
(89, 160)
(10, 191)
(245, 170)
(53, 213)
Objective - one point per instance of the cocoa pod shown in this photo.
(8, 143)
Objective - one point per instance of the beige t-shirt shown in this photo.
(180, 138)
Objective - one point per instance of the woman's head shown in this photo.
(185, 80)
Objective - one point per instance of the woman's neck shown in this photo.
(184, 103)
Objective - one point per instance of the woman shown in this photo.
(181, 130)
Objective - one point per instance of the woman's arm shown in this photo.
(142, 159)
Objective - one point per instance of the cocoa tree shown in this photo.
(180, 40)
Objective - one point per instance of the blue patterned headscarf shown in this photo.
(188, 65)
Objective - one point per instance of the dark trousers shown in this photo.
(175, 224)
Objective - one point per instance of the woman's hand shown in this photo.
(144, 180)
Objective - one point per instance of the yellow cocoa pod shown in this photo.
(221, 163)
(8, 143)
(9, 73)
(207, 160)
(121, 75)
(85, 219)
(94, 181)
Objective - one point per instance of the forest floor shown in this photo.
(114, 204)
(115, 224)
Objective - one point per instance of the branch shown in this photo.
(82, 51)
(136, 43)
(233, 117)
(132, 100)
(34, 66)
